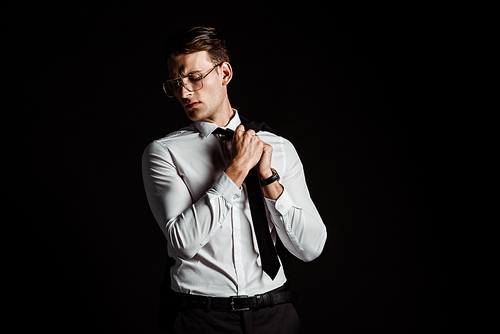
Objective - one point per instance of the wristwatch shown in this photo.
(271, 179)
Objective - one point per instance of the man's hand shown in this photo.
(246, 151)
(264, 166)
(273, 190)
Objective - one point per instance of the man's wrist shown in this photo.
(267, 174)
(270, 179)
(236, 174)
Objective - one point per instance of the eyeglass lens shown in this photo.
(192, 83)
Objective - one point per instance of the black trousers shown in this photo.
(278, 319)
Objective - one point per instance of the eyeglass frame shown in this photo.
(180, 79)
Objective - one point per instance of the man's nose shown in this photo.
(185, 93)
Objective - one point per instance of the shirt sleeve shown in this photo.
(294, 214)
(187, 226)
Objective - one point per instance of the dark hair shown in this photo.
(198, 39)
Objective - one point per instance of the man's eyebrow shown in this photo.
(181, 74)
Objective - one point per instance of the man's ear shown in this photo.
(227, 73)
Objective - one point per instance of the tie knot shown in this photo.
(228, 133)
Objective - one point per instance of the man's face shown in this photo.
(206, 103)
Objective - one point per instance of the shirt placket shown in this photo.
(238, 258)
(236, 230)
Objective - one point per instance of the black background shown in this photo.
(345, 85)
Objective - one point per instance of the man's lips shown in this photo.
(192, 104)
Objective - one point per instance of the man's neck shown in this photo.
(225, 115)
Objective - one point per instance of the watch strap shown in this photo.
(273, 178)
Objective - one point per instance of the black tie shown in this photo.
(269, 258)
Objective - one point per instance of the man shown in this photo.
(198, 180)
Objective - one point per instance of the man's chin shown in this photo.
(195, 114)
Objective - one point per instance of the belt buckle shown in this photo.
(231, 304)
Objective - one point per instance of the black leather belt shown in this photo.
(236, 303)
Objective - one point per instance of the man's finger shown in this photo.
(251, 132)
(240, 128)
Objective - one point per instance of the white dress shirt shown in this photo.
(206, 218)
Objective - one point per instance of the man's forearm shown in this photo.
(273, 190)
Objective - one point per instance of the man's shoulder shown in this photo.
(175, 136)
(271, 137)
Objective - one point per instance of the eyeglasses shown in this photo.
(192, 82)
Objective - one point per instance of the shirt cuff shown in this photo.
(227, 189)
(280, 206)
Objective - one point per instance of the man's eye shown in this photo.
(194, 77)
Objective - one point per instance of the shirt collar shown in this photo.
(206, 128)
